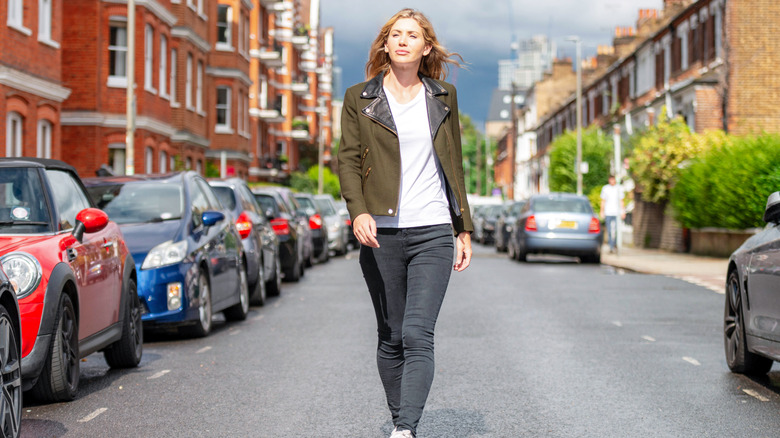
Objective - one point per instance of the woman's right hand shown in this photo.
(364, 228)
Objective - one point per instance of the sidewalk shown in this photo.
(708, 272)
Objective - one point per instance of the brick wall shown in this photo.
(655, 227)
(709, 109)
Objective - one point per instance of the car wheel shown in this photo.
(738, 358)
(294, 274)
(202, 326)
(592, 258)
(274, 285)
(325, 256)
(127, 351)
(11, 369)
(260, 292)
(59, 379)
(521, 255)
(238, 311)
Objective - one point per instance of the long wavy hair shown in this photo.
(434, 65)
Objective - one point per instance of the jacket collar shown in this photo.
(379, 109)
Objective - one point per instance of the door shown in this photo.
(764, 288)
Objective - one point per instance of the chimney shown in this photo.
(605, 56)
(562, 67)
(648, 21)
(623, 41)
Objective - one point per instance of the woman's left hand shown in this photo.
(463, 251)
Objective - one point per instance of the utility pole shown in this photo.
(578, 163)
(130, 108)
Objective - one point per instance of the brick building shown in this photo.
(242, 85)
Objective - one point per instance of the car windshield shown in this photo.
(23, 206)
(307, 205)
(266, 202)
(561, 205)
(140, 202)
(225, 195)
(325, 207)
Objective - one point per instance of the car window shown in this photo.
(326, 207)
(267, 202)
(68, 196)
(226, 196)
(561, 206)
(211, 198)
(141, 202)
(23, 207)
(200, 204)
(307, 205)
(247, 200)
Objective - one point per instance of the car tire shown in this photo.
(260, 292)
(274, 285)
(591, 258)
(738, 358)
(325, 256)
(127, 351)
(521, 256)
(294, 273)
(202, 326)
(238, 311)
(59, 379)
(11, 366)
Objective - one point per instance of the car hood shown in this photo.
(141, 238)
(9, 243)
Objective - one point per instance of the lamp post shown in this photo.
(130, 93)
(578, 164)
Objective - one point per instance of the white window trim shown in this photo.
(149, 59)
(228, 45)
(224, 128)
(45, 22)
(199, 88)
(45, 130)
(149, 160)
(113, 80)
(188, 84)
(163, 67)
(16, 20)
(173, 76)
(11, 149)
(163, 162)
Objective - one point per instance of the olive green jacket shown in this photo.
(370, 156)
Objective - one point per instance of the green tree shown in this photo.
(308, 182)
(596, 151)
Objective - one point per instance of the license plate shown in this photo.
(568, 225)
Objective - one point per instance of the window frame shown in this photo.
(199, 88)
(188, 84)
(149, 59)
(162, 67)
(174, 76)
(14, 134)
(226, 45)
(118, 54)
(224, 108)
(149, 160)
(44, 138)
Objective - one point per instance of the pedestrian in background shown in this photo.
(611, 208)
(401, 174)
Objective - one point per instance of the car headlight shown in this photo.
(166, 253)
(23, 270)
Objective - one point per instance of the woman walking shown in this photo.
(401, 174)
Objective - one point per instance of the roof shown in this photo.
(36, 162)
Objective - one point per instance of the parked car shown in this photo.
(488, 222)
(288, 231)
(185, 244)
(11, 346)
(319, 232)
(752, 313)
(477, 217)
(338, 228)
(557, 223)
(261, 247)
(75, 278)
(352, 242)
(505, 222)
(300, 216)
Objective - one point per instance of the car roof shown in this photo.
(558, 195)
(46, 163)
(125, 179)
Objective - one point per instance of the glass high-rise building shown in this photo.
(533, 57)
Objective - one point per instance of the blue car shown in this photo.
(185, 245)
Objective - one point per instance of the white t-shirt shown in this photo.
(613, 196)
(422, 199)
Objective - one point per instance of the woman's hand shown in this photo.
(364, 228)
(463, 249)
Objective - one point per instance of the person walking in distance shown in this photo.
(611, 208)
(401, 174)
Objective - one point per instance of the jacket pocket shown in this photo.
(365, 178)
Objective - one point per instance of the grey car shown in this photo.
(337, 227)
(751, 319)
(557, 223)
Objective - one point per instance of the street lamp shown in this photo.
(578, 164)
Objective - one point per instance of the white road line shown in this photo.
(235, 332)
(158, 375)
(93, 415)
(203, 350)
(755, 395)
(617, 323)
(648, 338)
(691, 361)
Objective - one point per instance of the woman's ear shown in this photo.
(427, 50)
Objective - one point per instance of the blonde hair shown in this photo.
(435, 65)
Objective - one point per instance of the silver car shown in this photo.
(751, 319)
(338, 228)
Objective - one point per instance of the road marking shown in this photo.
(691, 361)
(648, 338)
(158, 375)
(93, 415)
(617, 323)
(755, 395)
(235, 332)
(203, 350)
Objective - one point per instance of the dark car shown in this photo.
(341, 207)
(300, 216)
(338, 228)
(505, 222)
(261, 247)
(319, 233)
(489, 219)
(557, 223)
(11, 346)
(75, 278)
(752, 311)
(185, 244)
(288, 230)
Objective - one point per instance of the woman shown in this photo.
(401, 174)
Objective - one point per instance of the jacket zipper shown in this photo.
(452, 161)
(363, 158)
(365, 178)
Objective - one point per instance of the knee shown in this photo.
(417, 338)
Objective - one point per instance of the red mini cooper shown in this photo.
(72, 274)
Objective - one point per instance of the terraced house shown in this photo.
(229, 87)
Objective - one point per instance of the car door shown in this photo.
(94, 260)
(764, 287)
(262, 229)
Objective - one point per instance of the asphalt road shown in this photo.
(548, 348)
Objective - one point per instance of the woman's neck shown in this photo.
(401, 78)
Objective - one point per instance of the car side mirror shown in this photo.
(210, 218)
(772, 212)
(89, 220)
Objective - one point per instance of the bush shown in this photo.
(728, 186)
(307, 182)
(596, 151)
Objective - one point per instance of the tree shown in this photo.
(471, 140)
(308, 182)
(596, 151)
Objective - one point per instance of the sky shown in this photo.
(481, 31)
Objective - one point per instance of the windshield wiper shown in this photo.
(12, 223)
(161, 219)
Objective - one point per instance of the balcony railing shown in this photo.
(270, 55)
(300, 86)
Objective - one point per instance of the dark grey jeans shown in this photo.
(407, 277)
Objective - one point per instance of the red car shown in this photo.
(72, 274)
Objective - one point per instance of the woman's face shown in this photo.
(405, 43)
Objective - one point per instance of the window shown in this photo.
(44, 20)
(148, 58)
(13, 135)
(68, 196)
(163, 161)
(224, 19)
(116, 158)
(188, 163)
(223, 108)
(188, 83)
(682, 34)
(44, 139)
(191, 4)
(200, 7)
(199, 90)
(199, 167)
(149, 160)
(117, 55)
(173, 77)
(16, 16)
(163, 64)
